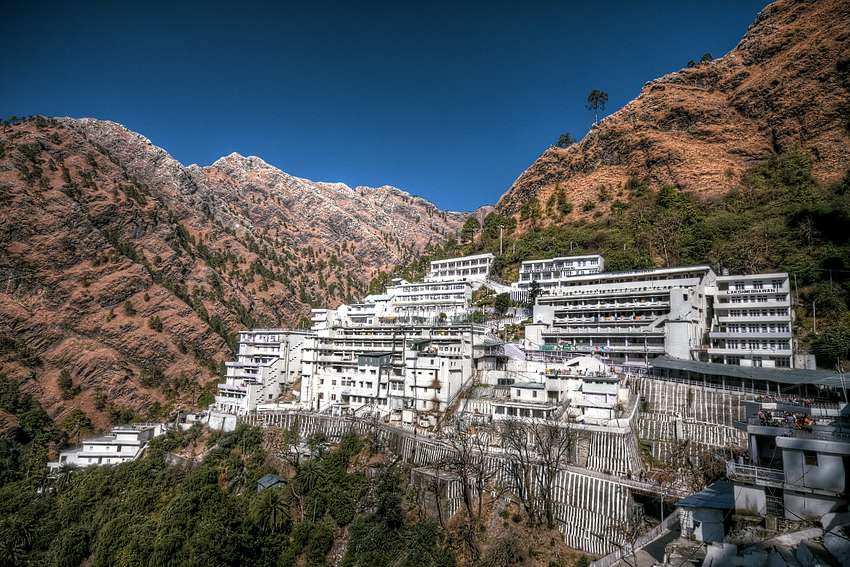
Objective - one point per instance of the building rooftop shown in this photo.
(718, 495)
(782, 375)
(529, 385)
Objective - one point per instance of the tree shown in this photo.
(530, 209)
(66, 385)
(470, 227)
(596, 102)
(706, 58)
(554, 443)
(76, 423)
(565, 140)
(503, 302)
(534, 292)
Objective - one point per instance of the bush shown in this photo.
(129, 310)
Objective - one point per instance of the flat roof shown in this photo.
(528, 385)
(556, 258)
(734, 277)
(792, 376)
(718, 496)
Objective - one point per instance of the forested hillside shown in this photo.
(778, 218)
(192, 500)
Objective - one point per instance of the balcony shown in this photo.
(753, 318)
(750, 335)
(752, 474)
(742, 351)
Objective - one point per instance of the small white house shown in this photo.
(125, 443)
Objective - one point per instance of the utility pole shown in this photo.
(815, 316)
(501, 232)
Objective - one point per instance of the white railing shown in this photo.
(666, 525)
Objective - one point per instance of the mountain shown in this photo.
(786, 84)
(125, 273)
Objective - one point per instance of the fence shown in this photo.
(612, 558)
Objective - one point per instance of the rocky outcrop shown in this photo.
(131, 271)
(787, 83)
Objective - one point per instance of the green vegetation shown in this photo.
(778, 218)
(565, 140)
(596, 102)
(66, 385)
(148, 512)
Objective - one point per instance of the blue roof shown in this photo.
(718, 495)
(269, 480)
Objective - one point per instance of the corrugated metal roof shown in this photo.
(718, 495)
(781, 375)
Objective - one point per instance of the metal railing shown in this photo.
(754, 474)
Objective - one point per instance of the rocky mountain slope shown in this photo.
(786, 84)
(125, 274)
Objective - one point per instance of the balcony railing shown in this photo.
(754, 474)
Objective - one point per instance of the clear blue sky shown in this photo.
(448, 100)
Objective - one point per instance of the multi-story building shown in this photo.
(550, 273)
(386, 368)
(799, 460)
(466, 268)
(626, 317)
(266, 360)
(429, 300)
(752, 320)
(125, 443)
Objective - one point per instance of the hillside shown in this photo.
(785, 85)
(741, 163)
(125, 273)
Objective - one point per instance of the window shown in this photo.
(811, 458)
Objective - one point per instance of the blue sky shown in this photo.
(448, 100)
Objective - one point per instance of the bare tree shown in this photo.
(624, 534)
(285, 443)
(468, 460)
(521, 463)
(536, 451)
(554, 443)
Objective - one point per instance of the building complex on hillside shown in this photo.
(415, 346)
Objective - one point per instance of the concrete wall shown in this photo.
(809, 506)
(587, 506)
(751, 499)
(828, 474)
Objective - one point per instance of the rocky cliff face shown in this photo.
(787, 83)
(130, 271)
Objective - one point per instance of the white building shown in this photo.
(550, 273)
(466, 268)
(429, 300)
(752, 321)
(386, 368)
(267, 361)
(625, 317)
(125, 443)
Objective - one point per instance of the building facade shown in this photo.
(466, 268)
(752, 321)
(125, 443)
(386, 368)
(267, 361)
(551, 273)
(626, 317)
